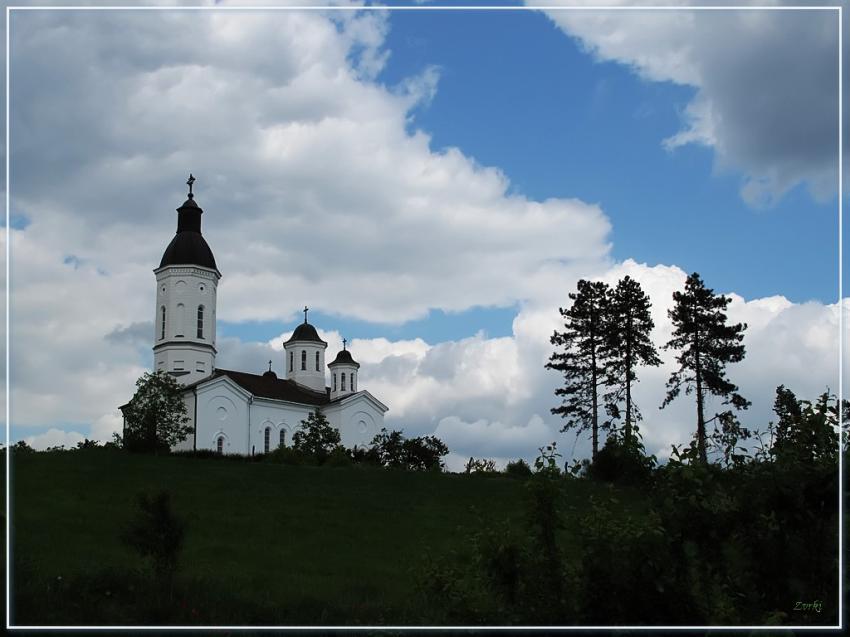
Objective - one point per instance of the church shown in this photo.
(241, 412)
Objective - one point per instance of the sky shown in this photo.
(432, 184)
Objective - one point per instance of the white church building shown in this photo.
(242, 412)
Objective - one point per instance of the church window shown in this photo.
(267, 438)
(318, 369)
(352, 381)
(343, 382)
(291, 359)
(162, 330)
(180, 317)
(283, 437)
(219, 445)
(334, 382)
(200, 321)
(199, 366)
(304, 360)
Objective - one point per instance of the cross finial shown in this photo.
(306, 309)
(270, 366)
(344, 341)
(189, 183)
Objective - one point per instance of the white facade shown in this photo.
(240, 412)
(184, 325)
(221, 410)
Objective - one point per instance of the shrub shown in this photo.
(316, 437)
(156, 534)
(518, 469)
(339, 457)
(483, 465)
(624, 463)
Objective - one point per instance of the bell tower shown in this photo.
(186, 283)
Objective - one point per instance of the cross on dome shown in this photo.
(270, 366)
(344, 341)
(189, 183)
(306, 309)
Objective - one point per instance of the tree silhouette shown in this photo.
(628, 345)
(706, 343)
(155, 418)
(582, 360)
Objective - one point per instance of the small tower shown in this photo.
(305, 356)
(343, 374)
(186, 283)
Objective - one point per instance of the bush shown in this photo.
(288, 455)
(622, 463)
(518, 469)
(339, 457)
(483, 465)
(156, 534)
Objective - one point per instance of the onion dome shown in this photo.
(188, 247)
(305, 332)
(270, 374)
(344, 358)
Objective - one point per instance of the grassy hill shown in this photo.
(265, 543)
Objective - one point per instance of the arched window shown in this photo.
(318, 369)
(282, 437)
(200, 321)
(291, 360)
(334, 381)
(352, 381)
(180, 318)
(219, 445)
(342, 388)
(304, 360)
(266, 440)
(162, 330)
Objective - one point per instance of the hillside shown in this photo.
(265, 543)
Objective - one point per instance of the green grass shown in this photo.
(320, 539)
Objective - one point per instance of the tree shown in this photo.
(156, 533)
(582, 360)
(156, 417)
(389, 447)
(706, 344)
(628, 345)
(805, 432)
(424, 453)
(316, 436)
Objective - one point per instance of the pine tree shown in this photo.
(582, 359)
(706, 343)
(628, 345)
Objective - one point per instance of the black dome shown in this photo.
(188, 247)
(305, 332)
(344, 356)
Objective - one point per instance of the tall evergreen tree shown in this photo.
(706, 343)
(628, 346)
(582, 359)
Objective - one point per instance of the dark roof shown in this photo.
(305, 332)
(270, 386)
(188, 247)
(344, 356)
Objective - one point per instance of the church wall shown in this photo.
(277, 416)
(188, 444)
(358, 421)
(222, 410)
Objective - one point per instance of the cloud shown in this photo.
(54, 438)
(768, 110)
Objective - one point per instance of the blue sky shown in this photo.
(516, 93)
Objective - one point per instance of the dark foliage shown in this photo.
(622, 462)
(706, 344)
(628, 345)
(392, 449)
(156, 534)
(581, 357)
(155, 417)
(316, 437)
(518, 469)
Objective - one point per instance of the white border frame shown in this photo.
(839, 11)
